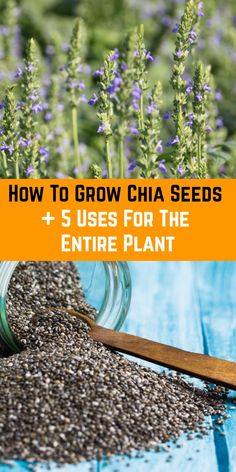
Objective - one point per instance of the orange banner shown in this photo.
(118, 219)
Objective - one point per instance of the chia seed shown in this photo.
(66, 398)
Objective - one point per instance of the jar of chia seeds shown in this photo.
(106, 286)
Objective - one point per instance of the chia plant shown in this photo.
(105, 111)
(95, 171)
(123, 92)
(9, 137)
(30, 106)
(74, 83)
(54, 119)
(149, 137)
(201, 90)
(185, 40)
(8, 31)
(120, 91)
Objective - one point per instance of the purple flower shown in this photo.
(75, 171)
(219, 122)
(83, 98)
(33, 97)
(132, 165)
(190, 119)
(115, 55)
(60, 175)
(48, 116)
(218, 96)
(18, 73)
(176, 28)
(135, 105)
(30, 169)
(189, 87)
(172, 141)
(115, 85)
(134, 130)
(101, 129)
(82, 85)
(30, 68)
(24, 142)
(60, 107)
(59, 150)
(37, 107)
(150, 107)
(136, 94)
(199, 97)
(136, 91)
(63, 67)
(179, 53)
(160, 147)
(167, 115)
(162, 167)
(65, 47)
(2, 104)
(93, 100)
(193, 34)
(200, 9)
(43, 151)
(166, 20)
(50, 136)
(7, 147)
(73, 84)
(206, 88)
(180, 170)
(98, 72)
(19, 105)
(1, 130)
(4, 31)
(192, 37)
(104, 174)
(49, 50)
(148, 56)
(124, 66)
(209, 129)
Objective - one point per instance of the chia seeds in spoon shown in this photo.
(67, 398)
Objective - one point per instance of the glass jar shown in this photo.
(106, 285)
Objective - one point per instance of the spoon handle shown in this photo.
(204, 367)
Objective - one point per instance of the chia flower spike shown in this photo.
(9, 20)
(106, 111)
(200, 125)
(9, 147)
(186, 37)
(149, 136)
(73, 78)
(96, 171)
(30, 107)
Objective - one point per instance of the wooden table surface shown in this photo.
(191, 305)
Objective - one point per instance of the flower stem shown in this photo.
(199, 153)
(17, 173)
(76, 139)
(121, 156)
(141, 112)
(108, 157)
(5, 166)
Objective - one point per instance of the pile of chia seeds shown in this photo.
(66, 398)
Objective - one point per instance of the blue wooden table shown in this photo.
(191, 306)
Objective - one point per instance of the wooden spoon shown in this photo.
(204, 367)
